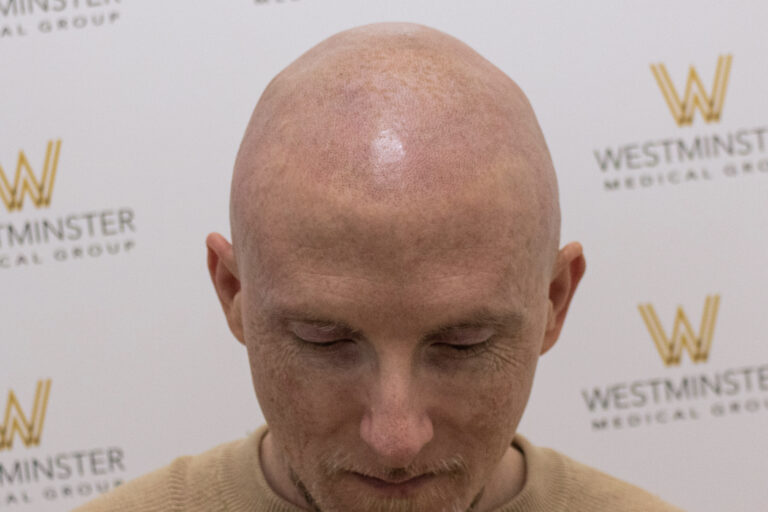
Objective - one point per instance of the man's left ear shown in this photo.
(569, 269)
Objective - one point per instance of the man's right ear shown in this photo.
(223, 270)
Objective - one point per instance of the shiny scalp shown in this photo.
(393, 114)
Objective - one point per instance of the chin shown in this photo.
(375, 504)
(352, 496)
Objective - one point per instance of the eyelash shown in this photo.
(466, 351)
(321, 345)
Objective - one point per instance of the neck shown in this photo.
(278, 474)
(506, 481)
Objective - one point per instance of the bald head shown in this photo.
(395, 272)
(394, 118)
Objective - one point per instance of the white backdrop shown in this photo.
(149, 101)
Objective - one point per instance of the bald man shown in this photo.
(394, 275)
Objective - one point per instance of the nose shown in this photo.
(395, 426)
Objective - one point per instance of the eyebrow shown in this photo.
(507, 321)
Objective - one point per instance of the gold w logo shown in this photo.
(671, 348)
(16, 422)
(26, 183)
(695, 96)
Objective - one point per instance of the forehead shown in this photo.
(324, 246)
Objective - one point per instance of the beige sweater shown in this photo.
(228, 478)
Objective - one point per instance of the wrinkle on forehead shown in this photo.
(396, 115)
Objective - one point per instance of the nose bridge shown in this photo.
(396, 425)
(394, 390)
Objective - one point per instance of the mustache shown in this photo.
(341, 462)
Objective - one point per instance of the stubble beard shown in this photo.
(442, 497)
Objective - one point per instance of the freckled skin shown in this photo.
(393, 181)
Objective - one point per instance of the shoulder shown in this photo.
(594, 486)
(583, 488)
(188, 483)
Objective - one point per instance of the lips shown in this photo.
(394, 488)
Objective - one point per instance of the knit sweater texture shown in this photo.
(229, 478)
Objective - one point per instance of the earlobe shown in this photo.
(224, 275)
(569, 269)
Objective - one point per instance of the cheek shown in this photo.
(493, 405)
(483, 411)
(298, 403)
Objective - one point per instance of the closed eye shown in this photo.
(463, 350)
(323, 344)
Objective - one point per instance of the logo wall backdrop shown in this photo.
(54, 479)
(120, 123)
(35, 240)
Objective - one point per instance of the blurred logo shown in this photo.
(22, 18)
(695, 96)
(688, 158)
(683, 336)
(16, 422)
(29, 479)
(26, 183)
